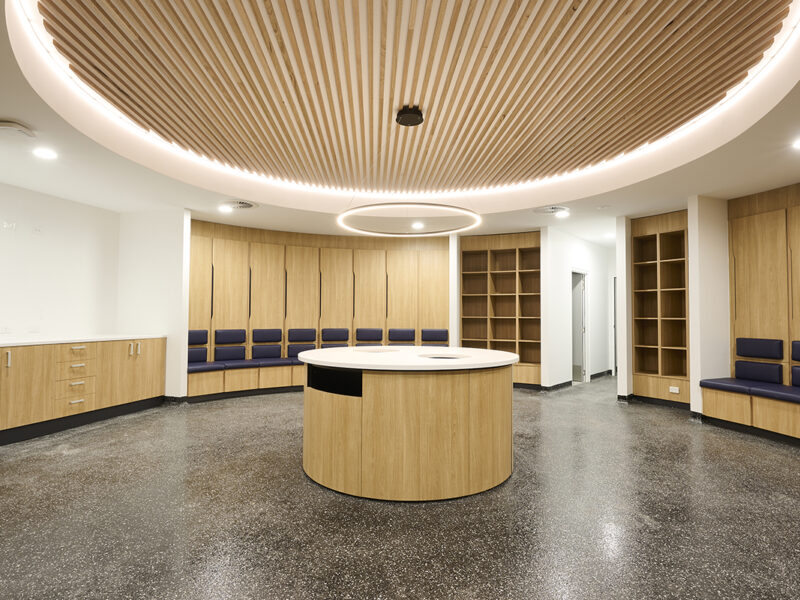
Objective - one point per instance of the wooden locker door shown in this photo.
(794, 274)
(369, 269)
(200, 283)
(336, 298)
(231, 285)
(27, 385)
(434, 290)
(302, 287)
(760, 280)
(116, 373)
(402, 269)
(149, 366)
(267, 264)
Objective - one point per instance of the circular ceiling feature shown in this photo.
(300, 92)
(408, 220)
(409, 116)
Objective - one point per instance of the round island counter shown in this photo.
(408, 423)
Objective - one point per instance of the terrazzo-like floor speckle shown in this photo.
(607, 500)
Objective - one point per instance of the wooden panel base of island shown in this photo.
(412, 435)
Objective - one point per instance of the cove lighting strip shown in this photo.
(34, 29)
(360, 210)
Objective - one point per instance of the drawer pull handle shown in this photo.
(79, 347)
(77, 383)
(77, 401)
(78, 366)
(138, 347)
(130, 349)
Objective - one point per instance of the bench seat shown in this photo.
(729, 384)
(203, 367)
(776, 391)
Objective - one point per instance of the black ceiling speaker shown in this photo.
(409, 116)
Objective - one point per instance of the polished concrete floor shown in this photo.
(607, 500)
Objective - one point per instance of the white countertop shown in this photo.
(42, 340)
(407, 358)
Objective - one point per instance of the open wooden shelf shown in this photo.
(645, 333)
(645, 304)
(474, 306)
(529, 258)
(672, 245)
(503, 283)
(530, 352)
(530, 306)
(673, 333)
(505, 346)
(474, 261)
(474, 283)
(503, 306)
(673, 303)
(502, 328)
(476, 329)
(645, 248)
(673, 274)
(530, 329)
(503, 260)
(530, 282)
(645, 360)
(475, 344)
(645, 277)
(673, 362)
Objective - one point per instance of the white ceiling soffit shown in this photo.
(771, 81)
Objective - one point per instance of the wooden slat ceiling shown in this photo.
(307, 90)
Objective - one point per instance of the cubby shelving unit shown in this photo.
(660, 306)
(500, 298)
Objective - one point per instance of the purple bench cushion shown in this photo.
(330, 334)
(197, 355)
(241, 364)
(261, 336)
(776, 391)
(230, 336)
(223, 353)
(402, 335)
(795, 350)
(198, 336)
(369, 334)
(759, 348)
(727, 384)
(266, 351)
(294, 349)
(332, 345)
(434, 335)
(796, 376)
(273, 362)
(757, 371)
(302, 335)
(201, 367)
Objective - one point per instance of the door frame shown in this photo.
(585, 354)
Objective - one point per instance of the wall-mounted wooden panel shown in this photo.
(369, 267)
(267, 286)
(27, 385)
(200, 262)
(793, 229)
(433, 290)
(336, 272)
(302, 287)
(231, 285)
(402, 269)
(759, 279)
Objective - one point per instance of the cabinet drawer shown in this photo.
(73, 388)
(63, 407)
(68, 352)
(74, 369)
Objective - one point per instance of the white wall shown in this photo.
(154, 284)
(624, 310)
(58, 265)
(709, 295)
(562, 254)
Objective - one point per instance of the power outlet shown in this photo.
(674, 389)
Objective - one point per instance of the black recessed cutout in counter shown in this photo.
(346, 382)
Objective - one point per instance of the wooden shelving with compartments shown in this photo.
(500, 298)
(660, 306)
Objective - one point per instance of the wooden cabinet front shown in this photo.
(369, 268)
(149, 368)
(336, 288)
(402, 275)
(231, 284)
(115, 373)
(302, 287)
(27, 385)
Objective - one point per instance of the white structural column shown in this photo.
(709, 295)
(454, 334)
(624, 310)
(153, 285)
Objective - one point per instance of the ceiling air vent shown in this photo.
(10, 125)
(550, 210)
(239, 204)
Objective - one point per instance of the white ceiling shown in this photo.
(759, 159)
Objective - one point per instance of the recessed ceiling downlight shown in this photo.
(408, 219)
(796, 144)
(45, 153)
(409, 116)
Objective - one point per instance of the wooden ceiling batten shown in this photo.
(511, 90)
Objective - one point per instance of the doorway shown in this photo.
(578, 327)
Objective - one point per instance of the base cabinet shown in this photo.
(49, 381)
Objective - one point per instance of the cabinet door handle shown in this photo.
(130, 349)
(8, 359)
(139, 348)
(78, 366)
(79, 347)
(72, 383)
(77, 401)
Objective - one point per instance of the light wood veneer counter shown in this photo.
(407, 433)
